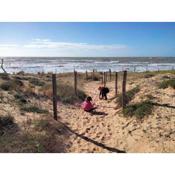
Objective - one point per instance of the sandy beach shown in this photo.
(108, 130)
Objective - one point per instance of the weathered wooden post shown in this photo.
(110, 74)
(86, 75)
(101, 73)
(93, 72)
(124, 89)
(75, 82)
(104, 79)
(116, 84)
(54, 86)
(2, 66)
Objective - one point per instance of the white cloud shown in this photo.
(7, 46)
(47, 47)
(48, 44)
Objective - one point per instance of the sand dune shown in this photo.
(108, 130)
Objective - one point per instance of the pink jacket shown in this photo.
(87, 105)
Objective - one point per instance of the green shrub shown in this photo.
(167, 83)
(139, 109)
(129, 95)
(34, 109)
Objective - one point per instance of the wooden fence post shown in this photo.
(104, 79)
(124, 89)
(2, 66)
(101, 73)
(93, 72)
(110, 74)
(75, 82)
(86, 75)
(54, 86)
(116, 84)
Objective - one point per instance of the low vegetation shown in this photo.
(66, 94)
(34, 109)
(20, 98)
(4, 76)
(41, 124)
(129, 95)
(93, 78)
(138, 110)
(11, 85)
(148, 75)
(36, 82)
(167, 83)
(6, 121)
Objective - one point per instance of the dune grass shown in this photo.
(12, 84)
(139, 110)
(66, 94)
(36, 82)
(34, 109)
(7, 120)
(129, 95)
(167, 83)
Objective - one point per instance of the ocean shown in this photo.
(81, 64)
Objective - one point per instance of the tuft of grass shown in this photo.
(167, 83)
(138, 110)
(34, 109)
(150, 97)
(36, 82)
(20, 73)
(20, 97)
(95, 78)
(129, 95)
(6, 121)
(11, 85)
(148, 75)
(6, 86)
(41, 124)
(4, 76)
(66, 94)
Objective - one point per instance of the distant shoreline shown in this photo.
(68, 64)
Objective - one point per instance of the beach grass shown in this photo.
(167, 83)
(129, 95)
(139, 110)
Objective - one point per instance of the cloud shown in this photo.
(47, 47)
(48, 44)
(7, 46)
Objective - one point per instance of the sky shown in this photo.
(87, 39)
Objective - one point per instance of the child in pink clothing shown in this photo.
(87, 105)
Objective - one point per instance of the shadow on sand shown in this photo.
(163, 105)
(98, 113)
(93, 141)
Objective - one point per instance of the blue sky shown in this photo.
(87, 39)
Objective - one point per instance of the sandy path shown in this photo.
(99, 128)
(154, 134)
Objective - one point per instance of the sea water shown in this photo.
(81, 64)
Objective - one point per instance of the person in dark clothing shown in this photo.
(103, 92)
